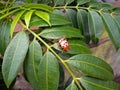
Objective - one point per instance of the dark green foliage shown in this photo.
(79, 22)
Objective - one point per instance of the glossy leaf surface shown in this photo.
(80, 2)
(91, 66)
(44, 16)
(4, 36)
(78, 47)
(32, 62)
(58, 2)
(95, 25)
(117, 21)
(55, 20)
(82, 19)
(71, 16)
(39, 6)
(69, 1)
(60, 32)
(14, 22)
(75, 47)
(28, 17)
(48, 72)
(96, 84)
(14, 57)
(112, 29)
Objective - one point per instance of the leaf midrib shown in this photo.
(47, 71)
(91, 65)
(33, 58)
(97, 84)
(51, 31)
(18, 41)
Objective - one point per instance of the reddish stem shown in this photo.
(91, 45)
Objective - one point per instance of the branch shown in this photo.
(91, 45)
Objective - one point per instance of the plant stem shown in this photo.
(59, 58)
(70, 7)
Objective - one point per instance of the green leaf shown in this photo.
(96, 84)
(116, 10)
(45, 1)
(44, 16)
(91, 66)
(95, 25)
(117, 20)
(82, 20)
(78, 47)
(48, 72)
(55, 20)
(102, 5)
(4, 36)
(58, 2)
(14, 22)
(32, 62)
(72, 86)
(71, 16)
(28, 17)
(43, 7)
(6, 9)
(14, 57)
(112, 29)
(106, 6)
(59, 32)
(9, 13)
(80, 2)
(69, 1)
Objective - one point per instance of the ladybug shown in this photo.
(64, 44)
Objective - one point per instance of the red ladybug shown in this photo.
(64, 44)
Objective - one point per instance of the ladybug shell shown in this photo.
(64, 44)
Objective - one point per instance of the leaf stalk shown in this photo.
(59, 58)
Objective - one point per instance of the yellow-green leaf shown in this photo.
(43, 15)
(9, 13)
(42, 7)
(14, 22)
(28, 17)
